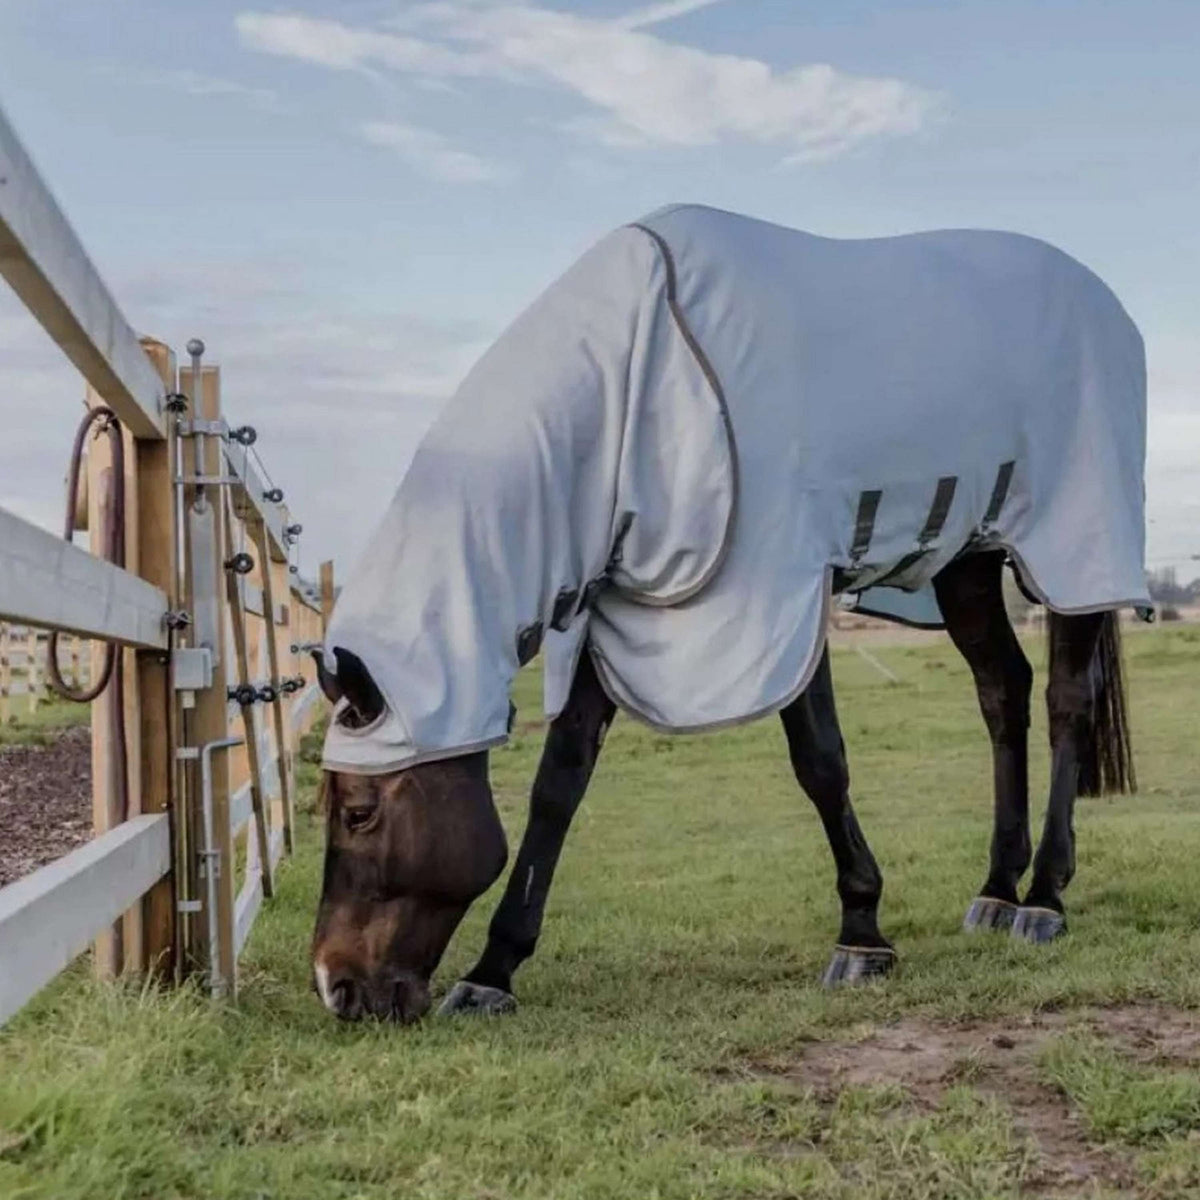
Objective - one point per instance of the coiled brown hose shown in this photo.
(112, 524)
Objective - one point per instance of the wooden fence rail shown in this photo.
(197, 750)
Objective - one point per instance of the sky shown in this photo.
(349, 202)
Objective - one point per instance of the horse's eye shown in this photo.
(359, 818)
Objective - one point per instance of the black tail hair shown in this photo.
(1106, 755)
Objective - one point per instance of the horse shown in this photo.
(659, 478)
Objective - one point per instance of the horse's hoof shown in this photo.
(478, 998)
(988, 914)
(1038, 925)
(858, 964)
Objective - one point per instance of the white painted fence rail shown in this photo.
(49, 269)
(47, 581)
(51, 915)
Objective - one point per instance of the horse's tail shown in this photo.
(1106, 754)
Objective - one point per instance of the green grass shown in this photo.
(692, 916)
(42, 726)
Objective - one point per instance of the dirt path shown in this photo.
(45, 801)
(1000, 1059)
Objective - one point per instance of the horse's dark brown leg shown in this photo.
(971, 598)
(1069, 699)
(818, 757)
(572, 747)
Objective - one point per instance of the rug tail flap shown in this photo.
(919, 608)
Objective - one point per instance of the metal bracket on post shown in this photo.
(196, 425)
(209, 480)
(210, 857)
(191, 668)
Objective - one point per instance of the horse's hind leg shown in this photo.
(1076, 682)
(971, 598)
(572, 747)
(819, 760)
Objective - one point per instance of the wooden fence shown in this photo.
(193, 806)
(23, 652)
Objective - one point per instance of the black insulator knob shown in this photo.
(240, 564)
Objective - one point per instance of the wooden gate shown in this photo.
(193, 758)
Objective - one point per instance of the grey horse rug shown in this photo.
(705, 429)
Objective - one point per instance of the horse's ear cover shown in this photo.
(355, 683)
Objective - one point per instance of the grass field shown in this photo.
(39, 728)
(672, 1041)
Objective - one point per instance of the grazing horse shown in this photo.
(659, 477)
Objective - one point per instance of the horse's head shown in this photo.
(406, 854)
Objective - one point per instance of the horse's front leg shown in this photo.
(818, 757)
(572, 747)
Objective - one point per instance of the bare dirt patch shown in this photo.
(45, 801)
(999, 1058)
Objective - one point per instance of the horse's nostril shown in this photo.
(345, 999)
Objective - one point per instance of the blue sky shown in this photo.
(349, 201)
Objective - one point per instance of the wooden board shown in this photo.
(328, 595)
(110, 775)
(275, 582)
(208, 721)
(240, 621)
(155, 495)
(249, 495)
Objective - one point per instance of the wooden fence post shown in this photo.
(209, 719)
(277, 604)
(76, 657)
(154, 461)
(5, 671)
(246, 673)
(107, 781)
(35, 681)
(327, 594)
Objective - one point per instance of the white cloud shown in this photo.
(638, 88)
(331, 44)
(194, 83)
(431, 154)
(667, 11)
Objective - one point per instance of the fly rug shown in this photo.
(659, 476)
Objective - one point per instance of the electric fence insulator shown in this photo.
(240, 564)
